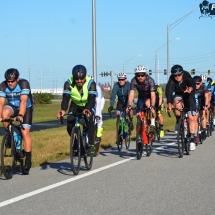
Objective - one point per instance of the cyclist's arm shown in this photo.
(131, 97)
(22, 105)
(160, 100)
(169, 91)
(153, 98)
(2, 101)
(66, 96)
(206, 98)
(113, 94)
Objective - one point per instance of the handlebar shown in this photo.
(12, 120)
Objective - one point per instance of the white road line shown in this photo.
(44, 189)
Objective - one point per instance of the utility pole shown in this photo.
(94, 40)
(41, 81)
(56, 85)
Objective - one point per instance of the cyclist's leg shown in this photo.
(196, 139)
(148, 105)
(8, 111)
(27, 142)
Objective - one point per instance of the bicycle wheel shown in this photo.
(157, 130)
(149, 146)
(200, 138)
(211, 124)
(88, 160)
(208, 130)
(180, 138)
(139, 144)
(128, 136)
(119, 140)
(7, 156)
(75, 153)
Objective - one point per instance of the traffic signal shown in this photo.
(192, 72)
(150, 72)
(102, 74)
(164, 71)
(209, 71)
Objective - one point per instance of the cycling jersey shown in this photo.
(208, 85)
(159, 91)
(99, 102)
(200, 95)
(121, 91)
(144, 89)
(13, 95)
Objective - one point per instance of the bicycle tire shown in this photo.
(200, 138)
(139, 145)
(8, 156)
(208, 130)
(128, 136)
(75, 152)
(149, 147)
(88, 160)
(157, 130)
(180, 138)
(119, 140)
(211, 123)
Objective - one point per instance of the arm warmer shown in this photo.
(65, 101)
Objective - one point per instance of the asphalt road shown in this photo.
(119, 184)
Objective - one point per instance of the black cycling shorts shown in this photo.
(120, 106)
(28, 117)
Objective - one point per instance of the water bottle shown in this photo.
(185, 128)
(17, 140)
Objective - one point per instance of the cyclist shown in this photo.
(183, 85)
(201, 94)
(158, 104)
(208, 85)
(213, 99)
(82, 91)
(122, 90)
(20, 106)
(145, 86)
(100, 101)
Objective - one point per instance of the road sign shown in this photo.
(106, 88)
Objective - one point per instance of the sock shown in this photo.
(192, 136)
(161, 127)
(28, 156)
(153, 122)
(196, 133)
(131, 119)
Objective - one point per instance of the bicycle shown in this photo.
(157, 125)
(79, 144)
(122, 130)
(97, 144)
(10, 155)
(210, 126)
(183, 134)
(200, 129)
(146, 138)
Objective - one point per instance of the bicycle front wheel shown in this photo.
(180, 138)
(119, 140)
(8, 156)
(128, 136)
(75, 153)
(139, 142)
(149, 146)
(88, 160)
(157, 130)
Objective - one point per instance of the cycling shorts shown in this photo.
(120, 106)
(28, 117)
(141, 103)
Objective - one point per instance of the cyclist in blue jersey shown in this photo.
(212, 97)
(20, 106)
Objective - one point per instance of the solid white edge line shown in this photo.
(41, 190)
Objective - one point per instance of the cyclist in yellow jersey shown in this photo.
(158, 104)
(82, 90)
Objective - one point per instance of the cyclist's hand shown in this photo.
(128, 108)
(62, 114)
(1, 119)
(97, 118)
(87, 111)
(110, 109)
(205, 107)
(169, 108)
(20, 118)
(152, 109)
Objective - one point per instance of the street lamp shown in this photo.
(156, 51)
(176, 23)
(129, 60)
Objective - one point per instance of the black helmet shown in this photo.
(197, 79)
(11, 74)
(209, 80)
(176, 69)
(81, 69)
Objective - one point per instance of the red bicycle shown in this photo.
(145, 138)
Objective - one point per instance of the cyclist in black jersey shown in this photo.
(184, 87)
(20, 106)
(145, 86)
(201, 95)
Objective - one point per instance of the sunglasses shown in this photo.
(8, 81)
(178, 75)
(121, 79)
(198, 83)
(141, 76)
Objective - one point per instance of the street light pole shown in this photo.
(94, 40)
(129, 60)
(176, 23)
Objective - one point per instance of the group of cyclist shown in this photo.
(193, 94)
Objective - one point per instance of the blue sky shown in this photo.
(60, 37)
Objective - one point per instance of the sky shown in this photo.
(50, 37)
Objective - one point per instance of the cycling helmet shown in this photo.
(213, 82)
(209, 80)
(204, 78)
(197, 79)
(122, 75)
(176, 69)
(140, 69)
(82, 72)
(11, 74)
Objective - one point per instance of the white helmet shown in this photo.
(121, 75)
(140, 69)
(204, 78)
